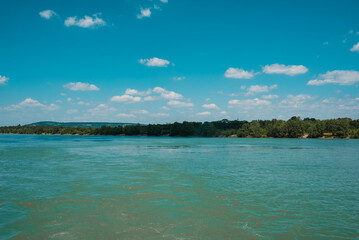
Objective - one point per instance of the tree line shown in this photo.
(295, 127)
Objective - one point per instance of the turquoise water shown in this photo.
(104, 187)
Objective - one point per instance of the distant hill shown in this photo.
(78, 124)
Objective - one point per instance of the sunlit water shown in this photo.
(104, 187)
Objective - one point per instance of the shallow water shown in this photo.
(104, 187)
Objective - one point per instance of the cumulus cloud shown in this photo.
(166, 94)
(248, 103)
(203, 114)
(126, 99)
(79, 86)
(145, 12)
(238, 73)
(85, 22)
(210, 106)
(3, 79)
(175, 103)
(290, 70)
(258, 89)
(164, 1)
(341, 77)
(31, 103)
(154, 62)
(355, 48)
(47, 14)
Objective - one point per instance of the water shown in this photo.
(103, 187)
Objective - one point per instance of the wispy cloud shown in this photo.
(179, 78)
(203, 114)
(47, 14)
(290, 70)
(126, 99)
(175, 103)
(210, 106)
(3, 80)
(154, 62)
(144, 12)
(126, 115)
(85, 22)
(248, 103)
(79, 86)
(355, 48)
(238, 73)
(101, 110)
(259, 89)
(341, 77)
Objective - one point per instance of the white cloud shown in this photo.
(102, 110)
(71, 111)
(210, 106)
(145, 12)
(174, 103)
(295, 101)
(159, 90)
(86, 22)
(171, 95)
(203, 114)
(150, 98)
(29, 102)
(142, 111)
(238, 73)
(164, 1)
(69, 99)
(248, 103)
(290, 70)
(258, 89)
(79, 86)
(270, 96)
(126, 115)
(224, 112)
(179, 78)
(167, 94)
(130, 91)
(52, 107)
(355, 48)
(3, 79)
(159, 115)
(165, 108)
(341, 77)
(126, 99)
(47, 14)
(154, 62)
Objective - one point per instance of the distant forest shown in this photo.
(293, 128)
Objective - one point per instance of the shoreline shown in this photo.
(123, 135)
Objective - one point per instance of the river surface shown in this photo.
(107, 187)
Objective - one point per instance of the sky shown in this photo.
(160, 61)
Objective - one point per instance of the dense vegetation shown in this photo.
(78, 124)
(293, 128)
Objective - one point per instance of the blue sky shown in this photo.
(163, 61)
